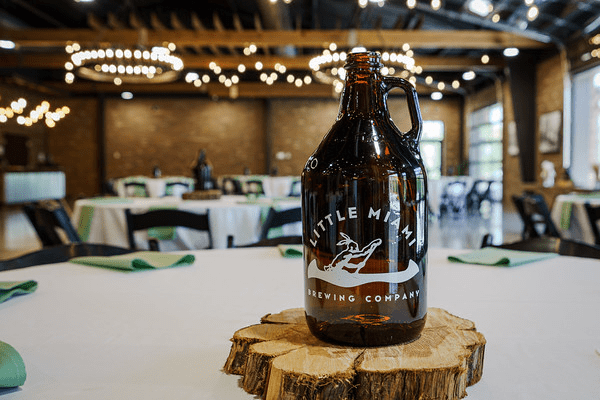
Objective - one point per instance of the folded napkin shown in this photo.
(9, 289)
(290, 250)
(139, 260)
(500, 257)
(12, 367)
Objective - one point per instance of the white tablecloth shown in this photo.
(274, 186)
(569, 215)
(96, 334)
(228, 216)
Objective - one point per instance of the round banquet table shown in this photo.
(96, 334)
(102, 220)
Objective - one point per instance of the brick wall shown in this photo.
(73, 143)
(169, 132)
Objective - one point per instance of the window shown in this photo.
(585, 129)
(431, 148)
(485, 152)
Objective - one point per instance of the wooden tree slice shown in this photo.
(281, 359)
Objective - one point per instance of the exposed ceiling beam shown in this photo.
(446, 63)
(457, 39)
(242, 90)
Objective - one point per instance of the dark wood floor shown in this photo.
(17, 236)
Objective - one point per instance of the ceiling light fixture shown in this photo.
(364, 3)
(469, 75)
(511, 52)
(436, 96)
(7, 44)
(123, 65)
(483, 8)
(533, 13)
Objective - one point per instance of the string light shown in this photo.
(595, 40)
(230, 79)
(533, 13)
(328, 67)
(123, 65)
(41, 111)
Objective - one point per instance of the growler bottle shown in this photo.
(365, 218)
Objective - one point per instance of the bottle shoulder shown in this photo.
(363, 146)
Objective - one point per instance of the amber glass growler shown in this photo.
(365, 218)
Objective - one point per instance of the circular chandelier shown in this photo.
(329, 66)
(123, 65)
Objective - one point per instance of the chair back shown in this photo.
(479, 192)
(135, 189)
(231, 185)
(593, 213)
(48, 219)
(255, 186)
(454, 198)
(276, 241)
(176, 188)
(296, 190)
(61, 253)
(276, 219)
(549, 244)
(165, 218)
(535, 216)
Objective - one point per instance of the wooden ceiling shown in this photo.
(446, 42)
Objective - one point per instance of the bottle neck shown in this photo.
(363, 95)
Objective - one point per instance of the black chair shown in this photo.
(549, 244)
(165, 218)
(276, 219)
(267, 242)
(136, 189)
(231, 186)
(480, 192)
(176, 188)
(61, 253)
(49, 218)
(296, 190)
(535, 216)
(254, 186)
(593, 213)
(454, 198)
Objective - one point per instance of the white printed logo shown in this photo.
(345, 267)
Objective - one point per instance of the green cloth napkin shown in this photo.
(136, 261)
(12, 367)
(9, 289)
(290, 250)
(500, 257)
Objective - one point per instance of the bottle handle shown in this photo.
(413, 136)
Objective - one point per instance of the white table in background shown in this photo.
(274, 186)
(228, 216)
(95, 334)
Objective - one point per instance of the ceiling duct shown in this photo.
(275, 16)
